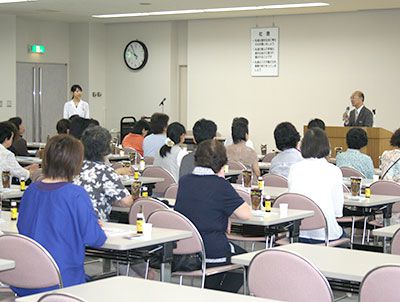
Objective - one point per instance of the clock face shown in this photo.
(135, 55)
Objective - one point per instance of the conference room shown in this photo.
(152, 71)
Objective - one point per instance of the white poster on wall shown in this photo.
(265, 52)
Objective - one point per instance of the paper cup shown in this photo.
(283, 209)
(147, 228)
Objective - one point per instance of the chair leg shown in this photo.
(266, 242)
(253, 245)
(364, 229)
(352, 230)
(146, 273)
(244, 281)
(128, 266)
(180, 280)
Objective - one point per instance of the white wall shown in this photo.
(53, 35)
(138, 93)
(323, 58)
(8, 66)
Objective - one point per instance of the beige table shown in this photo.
(264, 166)
(119, 244)
(36, 145)
(28, 160)
(334, 263)
(128, 180)
(13, 192)
(117, 157)
(6, 264)
(365, 182)
(134, 289)
(273, 192)
(171, 202)
(387, 233)
(274, 221)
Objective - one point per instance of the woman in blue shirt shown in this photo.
(58, 214)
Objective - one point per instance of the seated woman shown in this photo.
(239, 151)
(321, 181)
(58, 214)
(19, 146)
(135, 139)
(100, 181)
(208, 200)
(63, 126)
(356, 139)
(7, 158)
(286, 139)
(170, 155)
(390, 160)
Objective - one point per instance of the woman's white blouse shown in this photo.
(82, 109)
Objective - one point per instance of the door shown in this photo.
(41, 94)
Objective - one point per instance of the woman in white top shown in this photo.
(321, 181)
(170, 155)
(7, 158)
(76, 106)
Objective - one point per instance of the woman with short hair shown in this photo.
(321, 181)
(58, 214)
(287, 140)
(101, 181)
(356, 138)
(208, 200)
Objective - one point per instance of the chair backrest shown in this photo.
(160, 187)
(286, 276)
(386, 187)
(351, 172)
(149, 205)
(34, 266)
(59, 297)
(175, 220)
(381, 284)
(395, 246)
(274, 180)
(236, 165)
(301, 202)
(268, 157)
(346, 189)
(148, 160)
(245, 195)
(172, 191)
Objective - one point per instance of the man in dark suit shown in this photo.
(360, 116)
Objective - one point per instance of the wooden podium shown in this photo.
(378, 140)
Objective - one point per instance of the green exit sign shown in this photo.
(36, 48)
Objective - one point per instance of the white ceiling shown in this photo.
(82, 10)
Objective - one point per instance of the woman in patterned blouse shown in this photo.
(101, 181)
(390, 160)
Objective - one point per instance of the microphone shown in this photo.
(162, 102)
(346, 114)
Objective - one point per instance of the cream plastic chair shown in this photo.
(317, 221)
(268, 157)
(172, 191)
(274, 180)
(286, 276)
(381, 284)
(59, 297)
(149, 205)
(160, 187)
(395, 245)
(34, 266)
(193, 245)
(351, 172)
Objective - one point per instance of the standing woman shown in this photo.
(76, 106)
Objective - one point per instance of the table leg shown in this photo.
(294, 231)
(165, 270)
